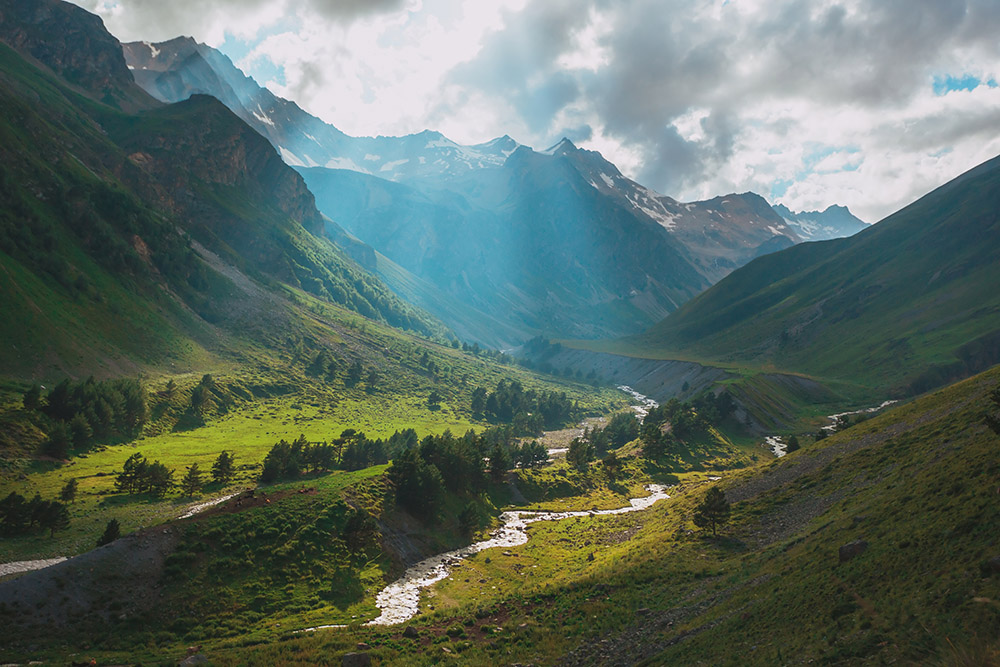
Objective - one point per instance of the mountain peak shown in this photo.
(563, 146)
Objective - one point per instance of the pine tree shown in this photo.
(222, 469)
(68, 493)
(499, 463)
(191, 483)
(793, 444)
(111, 533)
(713, 511)
(53, 516)
(33, 398)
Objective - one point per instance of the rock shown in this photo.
(356, 660)
(196, 659)
(411, 632)
(363, 647)
(644, 611)
(852, 549)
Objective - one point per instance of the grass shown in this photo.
(915, 482)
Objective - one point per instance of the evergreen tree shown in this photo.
(580, 453)
(80, 431)
(713, 511)
(499, 463)
(132, 477)
(434, 400)
(191, 482)
(53, 516)
(15, 514)
(354, 373)
(159, 479)
(468, 518)
(793, 444)
(58, 443)
(68, 492)
(223, 469)
(111, 533)
(33, 398)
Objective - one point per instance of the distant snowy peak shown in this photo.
(174, 70)
(833, 223)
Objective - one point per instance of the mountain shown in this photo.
(458, 212)
(833, 223)
(900, 307)
(73, 44)
(138, 236)
(532, 243)
(173, 71)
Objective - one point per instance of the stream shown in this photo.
(400, 600)
(778, 445)
(645, 403)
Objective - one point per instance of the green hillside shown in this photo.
(901, 307)
(132, 241)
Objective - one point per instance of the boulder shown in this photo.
(411, 632)
(196, 659)
(356, 660)
(852, 549)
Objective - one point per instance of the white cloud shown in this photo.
(811, 102)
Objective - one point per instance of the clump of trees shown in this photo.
(528, 411)
(668, 426)
(138, 475)
(82, 414)
(20, 516)
(597, 442)
(439, 464)
(351, 451)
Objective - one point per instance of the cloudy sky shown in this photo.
(868, 103)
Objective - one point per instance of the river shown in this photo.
(400, 600)
(645, 403)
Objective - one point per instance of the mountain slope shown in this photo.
(120, 232)
(902, 306)
(531, 243)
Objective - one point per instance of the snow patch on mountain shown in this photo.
(391, 166)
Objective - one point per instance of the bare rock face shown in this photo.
(852, 549)
(74, 44)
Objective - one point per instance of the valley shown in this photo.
(274, 394)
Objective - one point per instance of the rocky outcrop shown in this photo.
(74, 44)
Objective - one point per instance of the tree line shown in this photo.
(139, 475)
(423, 473)
(529, 411)
(82, 414)
(20, 516)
